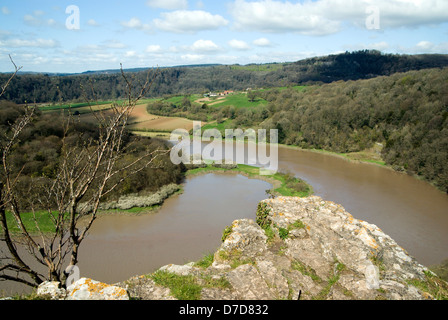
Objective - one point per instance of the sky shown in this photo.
(74, 36)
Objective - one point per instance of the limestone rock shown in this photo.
(88, 289)
(146, 289)
(314, 250)
(248, 284)
(183, 270)
(51, 289)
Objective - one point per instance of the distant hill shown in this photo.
(135, 70)
(109, 85)
(355, 66)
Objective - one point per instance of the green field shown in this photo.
(227, 124)
(238, 100)
(86, 105)
(259, 67)
(73, 106)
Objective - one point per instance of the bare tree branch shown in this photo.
(16, 70)
(86, 173)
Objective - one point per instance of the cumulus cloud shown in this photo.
(204, 46)
(168, 4)
(5, 10)
(37, 43)
(192, 57)
(380, 46)
(280, 56)
(113, 44)
(135, 23)
(154, 48)
(239, 45)
(184, 21)
(37, 19)
(262, 42)
(429, 47)
(412, 13)
(276, 16)
(92, 23)
(322, 17)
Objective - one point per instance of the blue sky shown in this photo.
(43, 36)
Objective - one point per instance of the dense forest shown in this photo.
(36, 157)
(407, 113)
(44, 88)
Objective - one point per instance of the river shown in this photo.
(412, 212)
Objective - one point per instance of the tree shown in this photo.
(251, 95)
(88, 170)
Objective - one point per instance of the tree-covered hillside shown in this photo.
(407, 113)
(41, 88)
(403, 115)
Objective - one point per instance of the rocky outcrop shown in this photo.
(303, 248)
(298, 248)
(83, 289)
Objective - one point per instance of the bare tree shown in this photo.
(87, 172)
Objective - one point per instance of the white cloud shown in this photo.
(168, 4)
(38, 13)
(429, 47)
(5, 10)
(92, 23)
(239, 44)
(31, 20)
(275, 16)
(425, 45)
(4, 34)
(204, 46)
(135, 23)
(129, 54)
(37, 20)
(262, 42)
(37, 43)
(380, 46)
(412, 13)
(184, 21)
(113, 44)
(192, 58)
(323, 17)
(154, 48)
(280, 56)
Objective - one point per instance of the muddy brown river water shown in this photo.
(189, 225)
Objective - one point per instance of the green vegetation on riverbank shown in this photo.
(285, 184)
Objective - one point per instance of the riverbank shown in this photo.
(283, 185)
(369, 157)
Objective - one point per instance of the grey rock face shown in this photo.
(313, 249)
(307, 248)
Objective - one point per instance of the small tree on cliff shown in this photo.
(87, 171)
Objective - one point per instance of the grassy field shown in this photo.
(372, 155)
(259, 67)
(74, 106)
(221, 127)
(238, 100)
